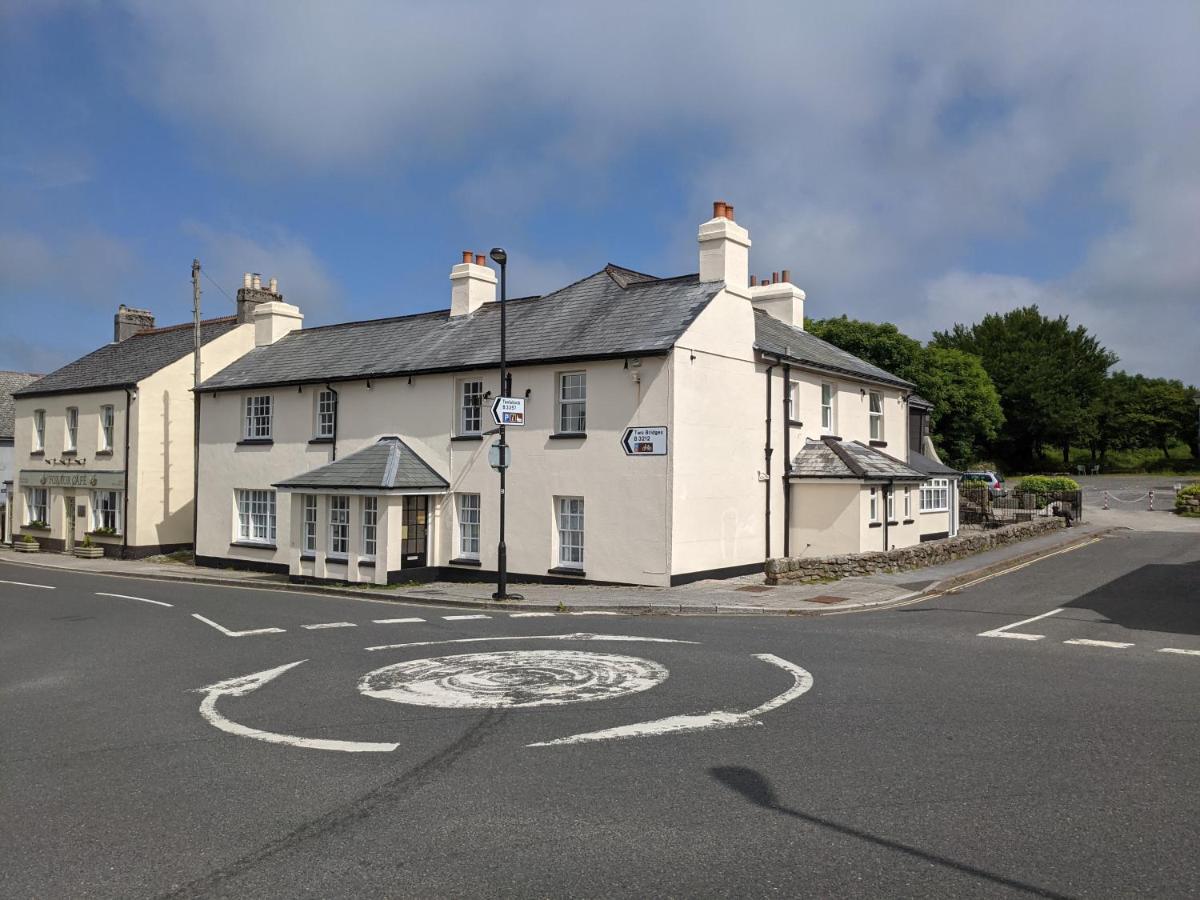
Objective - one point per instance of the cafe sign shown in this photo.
(100, 481)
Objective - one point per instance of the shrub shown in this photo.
(87, 540)
(1181, 500)
(28, 539)
(107, 532)
(1045, 484)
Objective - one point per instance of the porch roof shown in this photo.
(387, 465)
(832, 457)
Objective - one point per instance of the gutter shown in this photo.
(125, 499)
(336, 401)
(767, 463)
(787, 458)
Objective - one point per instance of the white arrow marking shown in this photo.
(127, 597)
(1020, 636)
(239, 687)
(225, 631)
(717, 719)
(578, 636)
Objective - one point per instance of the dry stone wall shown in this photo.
(799, 570)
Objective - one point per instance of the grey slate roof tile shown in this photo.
(614, 312)
(127, 362)
(923, 463)
(9, 383)
(832, 458)
(389, 464)
(794, 345)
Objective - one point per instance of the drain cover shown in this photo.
(825, 598)
(755, 588)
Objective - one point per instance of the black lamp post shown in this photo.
(501, 259)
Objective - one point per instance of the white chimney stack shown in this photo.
(781, 300)
(725, 250)
(472, 284)
(274, 319)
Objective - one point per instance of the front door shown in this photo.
(69, 536)
(413, 545)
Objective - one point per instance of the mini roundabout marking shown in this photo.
(507, 679)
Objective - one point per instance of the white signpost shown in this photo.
(509, 411)
(645, 440)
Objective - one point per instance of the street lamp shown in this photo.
(500, 257)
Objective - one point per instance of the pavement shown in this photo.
(746, 595)
(1028, 733)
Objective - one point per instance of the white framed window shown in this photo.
(72, 440)
(36, 505)
(827, 422)
(326, 417)
(873, 507)
(370, 516)
(908, 503)
(39, 430)
(468, 526)
(106, 427)
(793, 409)
(106, 511)
(339, 525)
(470, 407)
(891, 504)
(876, 400)
(570, 532)
(256, 517)
(258, 417)
(935, 495)
(572, 402)
(309, 537)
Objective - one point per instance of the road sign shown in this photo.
(645, 440)
(508, 410)
(494, 459)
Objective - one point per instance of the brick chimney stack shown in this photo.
(252, 293)
(128, 322)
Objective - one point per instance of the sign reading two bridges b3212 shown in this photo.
(508, 410)
(645, 440)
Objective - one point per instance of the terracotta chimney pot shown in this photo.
(479, 259)
(718, 209)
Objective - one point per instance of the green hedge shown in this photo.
(1045, 484)
(1192, 490)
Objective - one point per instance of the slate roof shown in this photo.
(10, 382)
(796, 346)
(833, 458)
(923, 463)
(387, 465)
(125, 363)
(615, 312)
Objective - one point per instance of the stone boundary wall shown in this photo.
(1188, 504)
(799, 570)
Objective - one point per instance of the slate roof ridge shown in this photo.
(419, 458)
(861, 369)
(218, 320)
(845, 456)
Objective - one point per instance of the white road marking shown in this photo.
(1114, 645)
(459, 618)
(1177, 650)
(45, 587)
(1005, 633)
(329, 625)
(529, 615)
(127, 597)
(395, 621)
(803, 681)
(238, 687)
(594, 612)
(578, 636)
(225, 631)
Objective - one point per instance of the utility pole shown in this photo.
(195, 403)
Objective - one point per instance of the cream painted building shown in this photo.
(359, 452)
(103, 448)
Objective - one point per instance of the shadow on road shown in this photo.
(755, 788)
(1155, 597)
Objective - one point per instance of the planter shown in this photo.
(26, 546)
(93, 552)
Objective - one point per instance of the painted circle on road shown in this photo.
(512, 678)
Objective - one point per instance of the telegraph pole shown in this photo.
(195, 403)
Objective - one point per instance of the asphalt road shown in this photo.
(922, 759)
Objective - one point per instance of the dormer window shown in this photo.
(258, 417)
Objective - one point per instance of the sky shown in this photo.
(919, 163)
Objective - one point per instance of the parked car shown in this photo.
(994, 481)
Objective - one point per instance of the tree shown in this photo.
(1049, 376)
(966, 407)
(879, 343)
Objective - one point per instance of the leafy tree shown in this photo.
(1134, 411)
(966, 407)
(1049, 376)
(879, 343)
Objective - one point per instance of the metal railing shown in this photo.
(978, 504)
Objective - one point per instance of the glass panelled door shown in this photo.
(414, 543)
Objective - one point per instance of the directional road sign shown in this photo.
(645, 440)
(508, 410)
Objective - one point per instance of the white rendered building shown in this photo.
(358, 452)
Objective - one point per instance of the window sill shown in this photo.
(336, 560)
(926, 512)
(466, 438)
(875, 525)
(255, 442)
(908, 521)
(37, 452)
(568, 435)
(893, 522)
(366, 563)
(308, 557)
(254, 545)
(795, 423)
(104, 453)
(565, 570)
(70, 453)
(465, 561)
(321, 440)
(877, 443)
(45, 528)
(103, 535)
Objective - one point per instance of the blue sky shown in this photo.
(921, 163)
